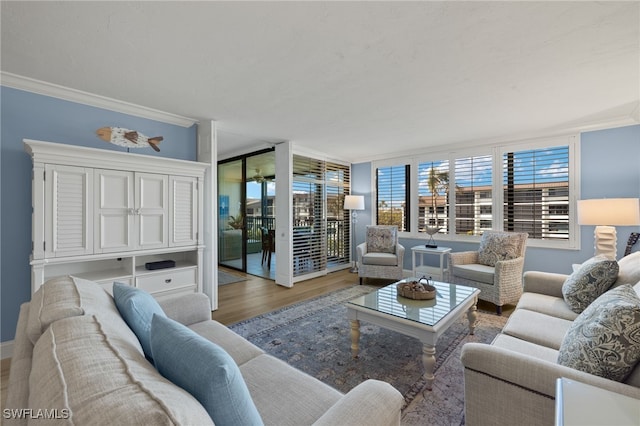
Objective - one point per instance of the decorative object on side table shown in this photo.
(413, 288)
(128, 138)
(430, 231)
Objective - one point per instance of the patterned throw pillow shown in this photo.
(604, 340)
(593, 278)
(381, 239)
(496, 246)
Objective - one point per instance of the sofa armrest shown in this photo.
(531, 373)
(544, 283)
(509, 271)
(187, 309)
(372, 402)
(463, 258)
(361, 250)
(20, 370)
(400, 252)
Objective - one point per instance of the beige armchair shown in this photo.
(496, 268)
(380, 256)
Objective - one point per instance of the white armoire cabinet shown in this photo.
(104, 215)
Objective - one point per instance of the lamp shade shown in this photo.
(609, 211)
(354, 202)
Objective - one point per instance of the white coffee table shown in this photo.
(425, 320)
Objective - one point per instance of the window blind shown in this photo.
(536, 192)
(473, 180)
(433, 196)
(392, 196)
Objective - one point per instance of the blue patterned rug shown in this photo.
(314, 336)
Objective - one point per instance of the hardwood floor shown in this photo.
(256, 296)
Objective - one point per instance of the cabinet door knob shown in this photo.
(168, 280)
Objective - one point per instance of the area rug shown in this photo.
(226, 278)
(314, 336)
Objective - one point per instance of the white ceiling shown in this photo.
(353, 80)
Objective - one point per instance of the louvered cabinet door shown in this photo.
(69, 211)
(183, 213)
(114, 211)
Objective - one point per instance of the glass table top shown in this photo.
(429, 312)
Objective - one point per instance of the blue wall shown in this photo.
(609, 168)
(26, 115)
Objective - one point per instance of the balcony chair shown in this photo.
(496, 268)
(268, 245)
(380, 256)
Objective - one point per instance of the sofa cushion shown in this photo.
(475, 272)
(605, 339)
(203, 369)
(265, 374)
(382, 239)
(381, 259)
(629, 270)
(99, 377)
(546, 304)
(497, 246)
(590, 280)
(526, 348)
(536, 327)
(137, 307)
(65, 297)
(240, 349)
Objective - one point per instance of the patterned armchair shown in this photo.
(496, 268)
(380, 256)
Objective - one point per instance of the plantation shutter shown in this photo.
(392, 191)
(473, 180)
(433, 196)
(536, 192)
(338, 184)
(309, 225)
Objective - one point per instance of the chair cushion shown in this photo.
(203, 369)
(380, 259)
(496, 246)
(137, 308)
(475, 272)
(605, 340)
(382, 239)
(589, 281)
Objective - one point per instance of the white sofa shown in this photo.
(513, 380)
(75, 357)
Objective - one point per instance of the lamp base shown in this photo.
(605, 237)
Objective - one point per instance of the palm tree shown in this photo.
(437, 181)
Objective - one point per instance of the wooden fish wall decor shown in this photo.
(128, 138)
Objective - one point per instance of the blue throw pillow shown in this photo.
(137, 308)
(203, 369)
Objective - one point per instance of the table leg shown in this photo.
(472, 316)
(429, 363)
(355, 337)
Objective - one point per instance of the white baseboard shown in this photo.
(6, 349)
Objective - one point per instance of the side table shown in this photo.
(419, 267)
(580, 404)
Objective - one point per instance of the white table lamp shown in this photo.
(354, 203)
(605, 214)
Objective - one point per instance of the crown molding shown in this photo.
(56, 91)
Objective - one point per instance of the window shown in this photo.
(433, 196)
(528, 186)
(392, 203)
(536, 192)
(473, 189)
